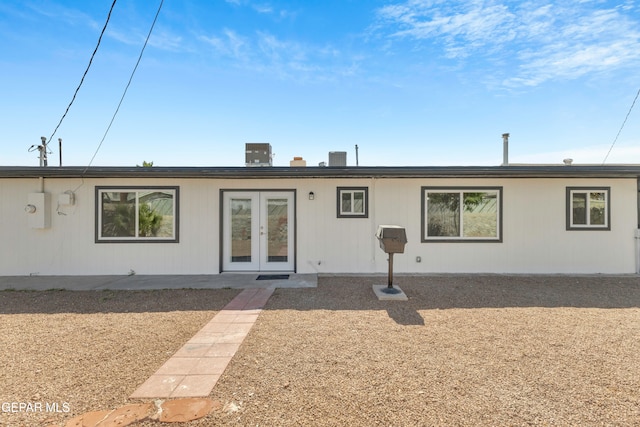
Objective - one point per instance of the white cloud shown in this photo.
(539, 40)
(165, 40)
(67, 15)
(265, 52)
(229, 44)
(263, 8)
(160, 39)
(260, 7)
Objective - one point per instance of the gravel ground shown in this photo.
(464, 350)
(89, 350)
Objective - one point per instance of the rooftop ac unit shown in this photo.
(258, 154)
(337, 158)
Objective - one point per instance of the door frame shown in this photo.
(221, 224)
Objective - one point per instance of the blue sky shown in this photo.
(411, 82)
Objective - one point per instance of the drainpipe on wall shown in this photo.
(637, 238)
(637, 231)
(374, 227)
(505, 149)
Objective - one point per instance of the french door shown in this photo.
(258, 231)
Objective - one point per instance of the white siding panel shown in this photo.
(69, 247)
(327, 243)
(535, 239)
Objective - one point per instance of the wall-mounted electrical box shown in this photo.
(38, 210)
(67, 198)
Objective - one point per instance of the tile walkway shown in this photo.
(195, 368)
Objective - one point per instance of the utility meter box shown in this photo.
(392, 238)
(67, 198)
(38, 210)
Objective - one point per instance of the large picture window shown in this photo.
(145, 214)
(452, 214)
(588, 208)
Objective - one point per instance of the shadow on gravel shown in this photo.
(441, 292)
(462, 292)
(405, 316)
(87, 302)
(432, 292)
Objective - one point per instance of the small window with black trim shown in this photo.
(136, 214)
(353, 202)
(588, 208)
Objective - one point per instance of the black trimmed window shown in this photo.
(461, 214)
(588, 208)
(137, 214)
(353, 202)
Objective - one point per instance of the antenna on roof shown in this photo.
(42, 148)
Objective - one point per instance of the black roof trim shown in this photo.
(511, 171)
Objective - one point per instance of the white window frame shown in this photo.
(352, 191)
(571, 226)
(174, 191)
(461, 238)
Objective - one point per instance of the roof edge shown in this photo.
(515, 171)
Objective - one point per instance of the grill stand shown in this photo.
(390, 289)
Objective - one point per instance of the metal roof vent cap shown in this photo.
(567, 162)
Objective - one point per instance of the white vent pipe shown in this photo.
(505, 149)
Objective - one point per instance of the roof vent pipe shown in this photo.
(505, 149)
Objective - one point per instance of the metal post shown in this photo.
(43, 151)
(390, 289)
(390, 285)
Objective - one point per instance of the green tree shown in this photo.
(446, 206)
(148, 221)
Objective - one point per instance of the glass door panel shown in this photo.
(240, 210)
(277, 230)
(276, 225)
(257, 231)
(240, 231)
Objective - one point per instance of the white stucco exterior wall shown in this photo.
(535, 239)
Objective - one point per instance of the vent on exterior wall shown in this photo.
(258, 155)
(337, 158)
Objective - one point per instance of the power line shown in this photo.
(85, 71)
(126, 88)
(621, 127)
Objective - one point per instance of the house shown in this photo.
(208, 220)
